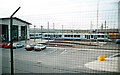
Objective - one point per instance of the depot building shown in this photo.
(20, 29)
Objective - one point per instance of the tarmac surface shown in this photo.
(109, 65)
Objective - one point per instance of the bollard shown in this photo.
(101, 58)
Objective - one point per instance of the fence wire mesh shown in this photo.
(75, 40)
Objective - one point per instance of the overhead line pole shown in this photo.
(11, 41)
(41, 32)
(53, 26)
(97, 19)
(34, 35)
(48, 33)
(90, 31)
(97, 13)
(62, 29)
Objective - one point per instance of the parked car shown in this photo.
(39, 47)
(115, 55)
(3, 44)
(17, 45)
(29, 47)
(8, 45)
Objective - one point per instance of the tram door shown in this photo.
(88, 36)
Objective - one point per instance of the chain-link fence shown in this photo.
(84, 41)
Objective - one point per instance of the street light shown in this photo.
(11, 52)
(41, 32)
(34, 33)
(48, 33)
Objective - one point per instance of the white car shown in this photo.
(115, 55)
(39, 47)
(17, 45)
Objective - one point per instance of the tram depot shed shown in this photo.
(20, 29)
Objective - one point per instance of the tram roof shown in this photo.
(77, 33)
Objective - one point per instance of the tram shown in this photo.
(76, 36)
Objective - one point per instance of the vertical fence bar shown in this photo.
(11, 41)
(11, 51)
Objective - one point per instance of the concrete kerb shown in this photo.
(110, 64)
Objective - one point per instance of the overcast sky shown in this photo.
(72, 14)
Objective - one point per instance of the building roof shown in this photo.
(17, 19)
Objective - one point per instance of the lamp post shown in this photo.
(41, 32)
(11, 41)
(48, 34)
(34, 33)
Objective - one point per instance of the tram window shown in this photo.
(65, 35)
(31, 34)
(85, 36)
(102, 36)
(36, 34)
(75, 35)
(48, 35)
(99, 36)
(60, 35)
(39, 34)
(78, 35)
(51, 35)
(68, 35)
(71, 35)
(91, 36)
(45, 35)
(95, 36)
